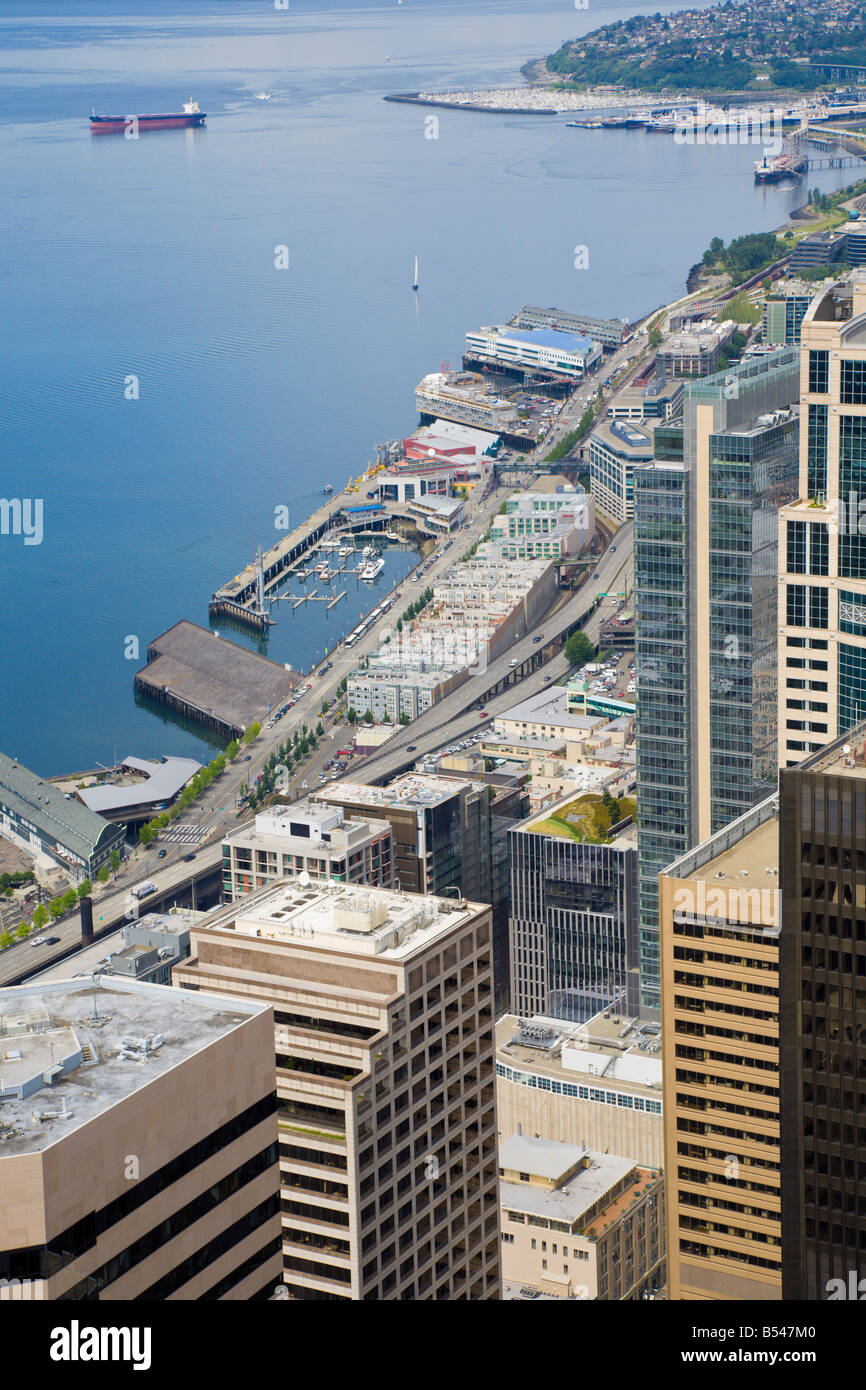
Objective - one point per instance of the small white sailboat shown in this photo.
(262, 96)
(415, 279)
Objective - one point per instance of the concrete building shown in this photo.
(580, 1224)
(385, 1083)
(306, 837)
(822, 535)
(390, 693)
(609, 332)
(573, 923)
(42, 820)
(822, 1008)
(450, 834)
(820, 248)
(152, 946)
(655, 399)
(719, 918)
(695, 353)
(706, 617)
(599, 1083)
(540, 525)
(138, 1145)
(616, 448)
(538, 349)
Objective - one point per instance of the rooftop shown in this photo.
(108, 1037)
(846, 756)
(345, 918)
(213, 676)
(551, 707)
(59, 817)
(582, 1191)
(541, 1158)
(417, 789)
(605, 1049)
(163, 779)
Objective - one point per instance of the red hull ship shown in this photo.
(117, 125)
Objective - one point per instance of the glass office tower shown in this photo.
(706, 537)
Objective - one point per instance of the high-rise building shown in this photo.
(719, 915)
(573, 918)
(450, 836)
(385, 1080)
(822, 535)
(138, 1144)
(705, 545)
(823, 1032)
(784, 309)
(306, 838)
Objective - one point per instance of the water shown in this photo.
(155, 259)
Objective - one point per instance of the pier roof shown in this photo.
(212, 677)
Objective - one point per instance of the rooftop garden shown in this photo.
(588, 818)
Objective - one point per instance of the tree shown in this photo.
(114, 857)
(352, 716)
(69, 900)
(404, 719)
(55, 907)
(22, 930)
(145, 834)
(84, 889)
(579, 649)
(102, 874)
(233, 749)
(40, 916)
(368, 716)
(6, 939)
(714, 251)
(320, 729)
(252, 732)
(654, 336)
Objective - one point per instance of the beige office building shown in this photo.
(719, 919)
(579, 1224)
(822, 536)
(321, 841)
(138, 1144)
(385, 1082)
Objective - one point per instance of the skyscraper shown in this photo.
(706, 534)
(822, 535)
(823, 1022)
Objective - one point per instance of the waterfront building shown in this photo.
(306, 837)
(547, 717)
(616, 448)
(383, 1012)
(41, 819)
(823, 1005)
(138, 1144)
(609, 332)
(719, 927)
(784, 309)
(705, 548)
(577, 1223)
(138, 788)
(695, 353)
(855, 240)
(466, 398)
(822, 549)
(542, 525)
(573, 925)
(599, 1083)
(538, 349)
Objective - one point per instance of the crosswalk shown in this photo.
(182, 834)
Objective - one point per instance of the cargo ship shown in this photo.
(115, 125)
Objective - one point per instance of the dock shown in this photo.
(201, 676)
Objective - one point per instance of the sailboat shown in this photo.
(415, 281)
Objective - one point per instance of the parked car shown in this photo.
(161, 853)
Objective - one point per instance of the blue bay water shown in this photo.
(155, 258)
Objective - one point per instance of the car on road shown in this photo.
(160, 854)
(613, 547)
(514, 661)
(536, 639)
(248, 757)
(187, 858)
(38, 941)
(410, 747)
(51, 940)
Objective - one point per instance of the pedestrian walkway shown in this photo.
(182, 834)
